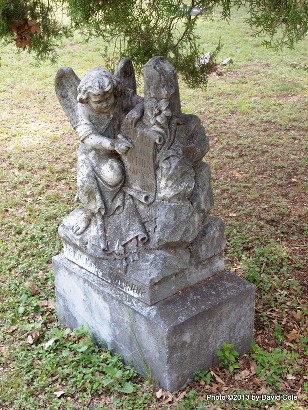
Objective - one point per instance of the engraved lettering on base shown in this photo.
(79, 258)
(108, 275)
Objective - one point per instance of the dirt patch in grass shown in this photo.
(245, 69)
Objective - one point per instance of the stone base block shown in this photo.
(169, 340)
(155, 275)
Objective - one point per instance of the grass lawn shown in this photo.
(255, 113)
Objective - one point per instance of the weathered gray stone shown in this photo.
(210, 240)
(205, 59)
(134, 151)
(170, 340)
(143, 263)
(175, 223)
(202, 196)
(202, 270)
(175, 178)
(195, 11)
(152, 276)
(191, 135)
(227, 61)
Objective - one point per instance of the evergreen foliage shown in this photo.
(144, 28)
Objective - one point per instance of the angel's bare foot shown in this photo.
(82, 223)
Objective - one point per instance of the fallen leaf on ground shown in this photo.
(12, 329)
(263, 390)
(50, 304)
(41, 276)
(214, 387)
(298, 316)
(49, 343)
(181, 395)
(59, 393)
(217, 377)
(159, 393)
(291, 377)
(253, 366)
(33, 288)
(169, 398)
(33, 337)
(293, 335)
(242, 375)
(256, 382)
(30, 340)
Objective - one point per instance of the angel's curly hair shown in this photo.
(97, 81)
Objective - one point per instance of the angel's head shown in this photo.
(99, 90)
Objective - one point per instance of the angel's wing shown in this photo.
(126, 74)
(66, 83)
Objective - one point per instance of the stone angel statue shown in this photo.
(96, 107)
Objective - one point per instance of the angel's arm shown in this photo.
(89, 136)
(87, 132)
(97, 141)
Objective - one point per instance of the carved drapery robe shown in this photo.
(115, 211)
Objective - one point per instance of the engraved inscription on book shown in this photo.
(139, 165)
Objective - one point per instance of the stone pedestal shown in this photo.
(169, 340)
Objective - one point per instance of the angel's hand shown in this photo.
(122, 144)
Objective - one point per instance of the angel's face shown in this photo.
(103, 103)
